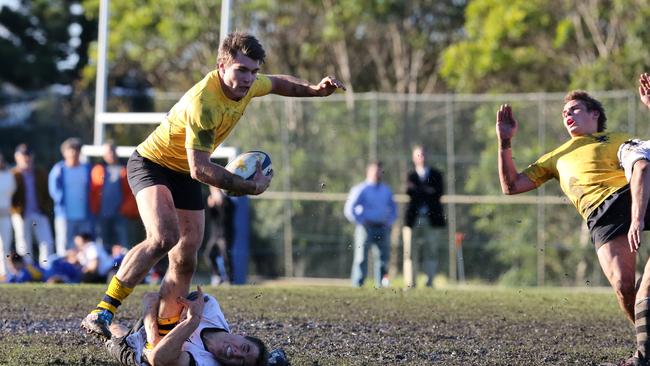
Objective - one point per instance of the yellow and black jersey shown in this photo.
(587, 168)
(201, 120)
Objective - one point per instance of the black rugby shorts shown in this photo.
(143, 173)
(612, 218)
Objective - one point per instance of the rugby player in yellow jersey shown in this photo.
(607, 177)
(167, 169)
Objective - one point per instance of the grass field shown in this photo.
(318, 325)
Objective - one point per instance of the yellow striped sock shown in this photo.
(165, 325)
(115, 294)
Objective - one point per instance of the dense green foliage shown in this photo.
(38, 44)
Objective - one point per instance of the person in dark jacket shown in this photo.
(31, 207)
(424, 224)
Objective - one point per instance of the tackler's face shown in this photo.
(235, 350)
(578, 120)
(238, 76)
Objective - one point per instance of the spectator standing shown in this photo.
(95, 262)
(69, 185)
(218, 249)
(370, 206)
(7, 188)
(424, 221)
(111, 200)
(31, 206)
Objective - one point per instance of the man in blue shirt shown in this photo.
(371, 207)
(69, 185)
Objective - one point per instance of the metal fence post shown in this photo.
(372, 135)
(541, 208)
(451, 187)
(286, 185)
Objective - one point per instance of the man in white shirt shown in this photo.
(95, 262)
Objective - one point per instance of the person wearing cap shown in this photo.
(69, 186)
(31, 206)
(7, 187)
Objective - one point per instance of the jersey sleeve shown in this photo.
(261, 86)
(200, 129)
(542, 170)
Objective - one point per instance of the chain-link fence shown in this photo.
(320, 148)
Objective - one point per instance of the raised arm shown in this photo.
(644, 89)
(512, 182)
(205, 171)
(291, 86)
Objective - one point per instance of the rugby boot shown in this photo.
(97, 323)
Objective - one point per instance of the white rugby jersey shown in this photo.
(212, 317)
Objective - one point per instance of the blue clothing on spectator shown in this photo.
(70, 190)
(30, 273)
(371, 203)
(111, 192)
(76, 200)
(59, 189)
(371, 207)
(31, 204)
(64, 271)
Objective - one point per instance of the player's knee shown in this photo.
(625, 289)
(164, 241)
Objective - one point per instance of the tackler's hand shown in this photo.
(262, 182)
(635, 235)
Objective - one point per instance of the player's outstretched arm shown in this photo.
(640, 190)
(512, 182)
(644, 89)
(205, 171)
(168, 352)
(291, 86)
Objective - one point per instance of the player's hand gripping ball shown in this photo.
(244, 165)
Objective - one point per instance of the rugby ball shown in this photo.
(244, 165)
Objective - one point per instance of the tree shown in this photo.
(548, 46)
(43, 42)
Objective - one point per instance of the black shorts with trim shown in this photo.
(612, 218)
(142, 173)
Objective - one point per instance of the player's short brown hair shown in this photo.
(263, 354)
(71, 143)
(240, 42)
(591, 103)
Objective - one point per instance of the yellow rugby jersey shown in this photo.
(200, 120)
(586, 167)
